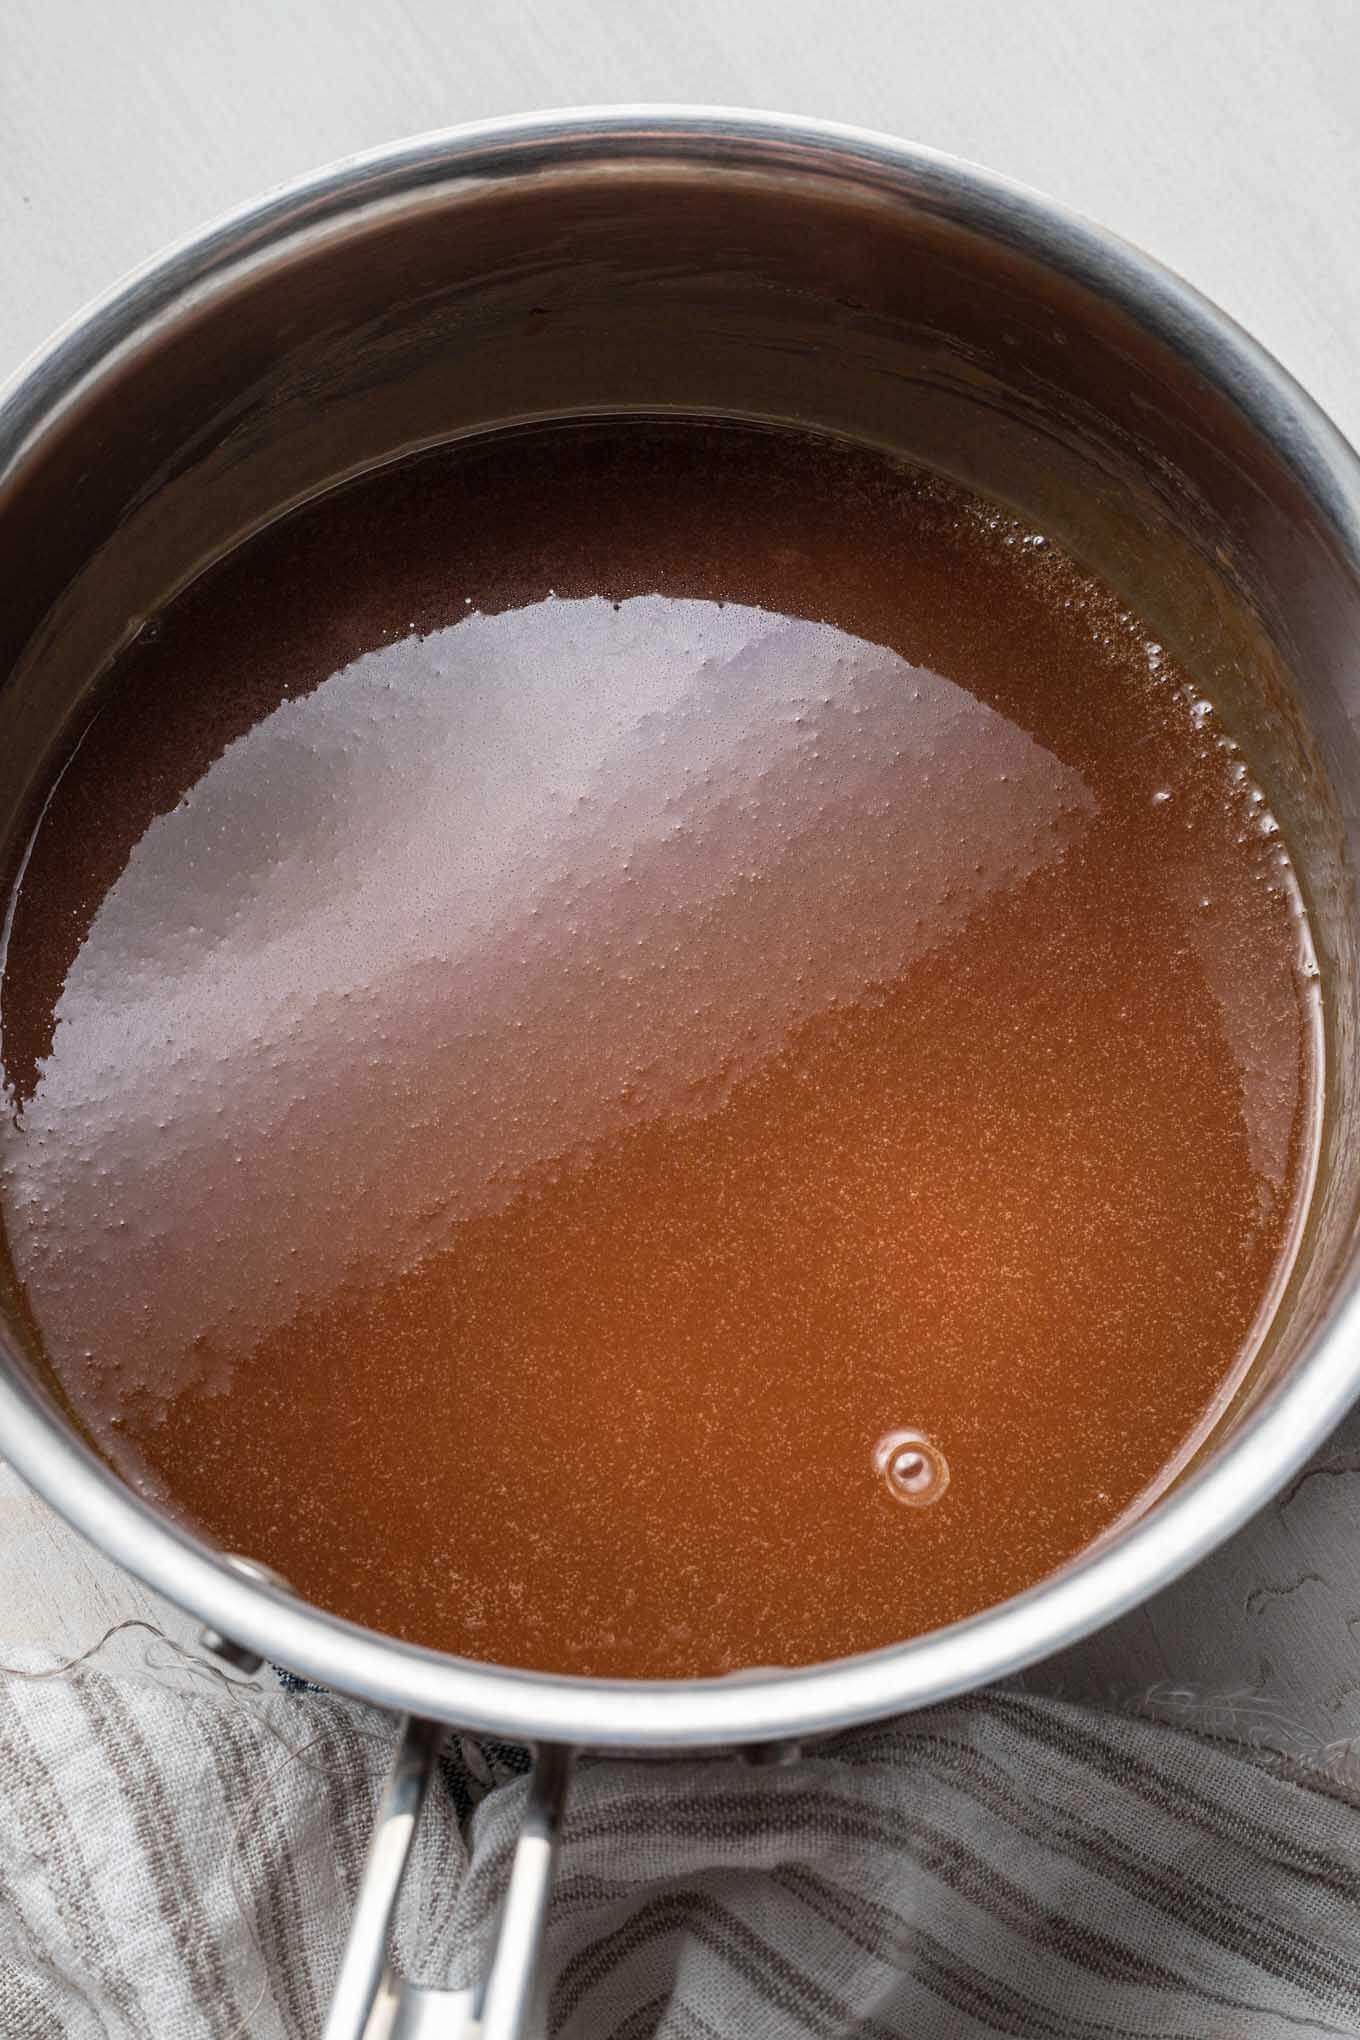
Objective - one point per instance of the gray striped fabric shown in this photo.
(178, 1855)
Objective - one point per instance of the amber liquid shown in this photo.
(649, 1049)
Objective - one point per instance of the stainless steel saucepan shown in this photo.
(641, 260)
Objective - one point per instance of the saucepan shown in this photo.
(680, 261)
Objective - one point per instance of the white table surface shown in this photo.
(1223, 135)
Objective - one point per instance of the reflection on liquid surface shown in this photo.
(507, 1118)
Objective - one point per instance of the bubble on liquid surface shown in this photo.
(913, 1467)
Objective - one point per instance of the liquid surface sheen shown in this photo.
(645, 1050)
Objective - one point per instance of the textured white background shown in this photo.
(1223, 135)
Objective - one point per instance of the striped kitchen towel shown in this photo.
(179, 1852)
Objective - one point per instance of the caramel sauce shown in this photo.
(642, 1049)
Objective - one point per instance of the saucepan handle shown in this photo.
(371, 2001)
